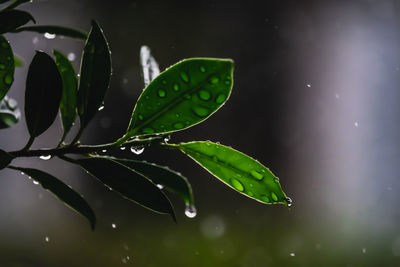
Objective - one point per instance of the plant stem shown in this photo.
(28, 144)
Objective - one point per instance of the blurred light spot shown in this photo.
(213, 227)
(364, 250)
(309, 85)
(49, 35)
(71, 56)
(113, 225)
(47, 239)
(35, 40)
(356, 124)
(337, 96)
(292, 254)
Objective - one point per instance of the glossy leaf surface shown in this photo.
(241, 172)
(9, 112)
(183, 95)
(52, 29)
(70, 86)
(130, 184)
(42, 94)
(6, 66)
(62, 191)
(5, 159)
(95, 75)
(12, 19)
(171, 180)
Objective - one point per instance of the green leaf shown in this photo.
(9, 112)
(128, 183)
(70, 85)
(42, 94)
(52, 29)
(16, 3)
(5, 159)
(12, 19)
(95, 75)
(183, 95)
(62, 191)
(171, 180)
(239, 171)
(6, 66)
(18, 62)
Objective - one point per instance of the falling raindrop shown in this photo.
(190, 211)
(49, 35)
(35, 182)
(45, 157)
(137, 149)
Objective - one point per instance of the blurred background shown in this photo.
(315, 99)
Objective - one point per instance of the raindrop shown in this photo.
(162, 93)
(292, 254)
(202, 69)
(274, 197)
(122, 148)
(113, 225)
(160, 186)
(250, 194)
(237, 185)
(220, 99)
(190, 211)
(288, 201)
(148, 130)
(101, 108)
(184, 76)
(200, 111)
(104, 150)
(35, 182)
(204, 95)
(364, 250)
(265, 198)
(308, 85)
(49, 35)
(140, 117)
(137, 149)
(176, 87)
(214, 79)
(45, 157)
(71, 56)
(47, 239)
(257, 175)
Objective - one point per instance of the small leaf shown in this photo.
(62, 191)
(9, 112)
(52, 29)
(6, 66)
(128, 183)
(12, 19)
(5, 159)
(164, 176)
(241, 172)
(95, 75)
(183, 95)
(42, 94)
(70, 85)
(149, 65)
(18, 62)
(16, 3)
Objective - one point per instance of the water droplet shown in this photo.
(237, 185)
(148, 130)
(364, 250)
(184, 76)
(200, 111)
(8, 79)
(274, 197)
(137, 149)
(220, 99)
(190, 211)
(177, 115)
(49, 35)
(276, 180)
(100, 108)
(178, 125)
(122, 148)
(160, 186)
(289, 201)
(47, 239)
(309, 85)
(162, 93)
(204, 95)
(2, 67)
(113, 225)
(202, 69)
(265, 198)
(176, 87)
(292, 254)
(256, 175)
(71, 56)
(214, 79)
(35, 182)
(45, 157)
(104, 150)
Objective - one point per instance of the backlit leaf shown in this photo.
(12, 19)
(5, 159)
(6, 66)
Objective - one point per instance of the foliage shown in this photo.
(180, 97)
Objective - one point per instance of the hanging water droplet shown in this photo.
(160, 186)
(49, 35)
(162, 93)
(101, 107)
(137, 149)
(113, 225)
(45, 157)
(35, 182)
(200, 111)
(237, 185)
(204, 95)
(256, 175)
(184, 76)
(190, 211)
(274, 197)
(220, 98)
(122, 148)
(265, 198)
(288, 201)
(176, 87)
(47, 239)
(71, 56)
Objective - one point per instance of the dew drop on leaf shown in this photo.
(200, 111)
(176, 87)
(122, 148)
(190, 211)
(162, 93)
(178, 125)
(274, 197)
(204, 95)
(220, 98)
(202, 69)
(71, 56)
(49, 35)
(237, 185)
(35, 182)
(45, 157)
(214, 79)
(137, 149)
(257, 175)
(101, 107)
(184, 76)
(8, 79)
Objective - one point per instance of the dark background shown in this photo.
(315, 98)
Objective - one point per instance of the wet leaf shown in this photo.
(128, 183)
(42, 94)
(70, 85)
(171, 180)
(12, 19)
(150, 67)
(239, 171)
(57, 30)
(5, 159)
(183, 95)
(95, 75)
(18, 62)
(62, 191)
(9, 112)
(16, 3)
(6, 66)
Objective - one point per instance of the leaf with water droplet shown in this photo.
(95, 75)
(181, 89)
(9, 112)
(6, 66)
(171, 180)
(12, 19)
(62, 191)
(150, 67)
(43, 93)
(5, 159)
(56, 30)
(70, 85)
(241, 172)
(128, 183)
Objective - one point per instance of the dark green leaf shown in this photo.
(9, 112)
(42, 94)
(128, 183)
(183, 95)
(241, 172)
(12, 19)
(5, 159)
(6, 66)
(58, 30)
(62, 191)
(16, 3)
(19, 63)
(95, 75)
(70, 84)
(164, 176)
